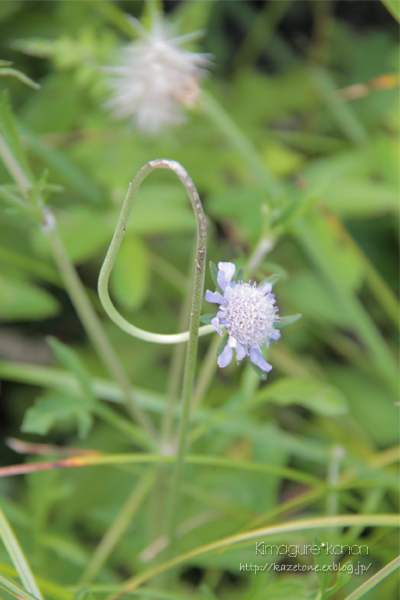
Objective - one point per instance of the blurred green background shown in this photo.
(296, 142)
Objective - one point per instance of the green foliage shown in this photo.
(294, 150)
(20, 300)
(321, 398)
(52, 409)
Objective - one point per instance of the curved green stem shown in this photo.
(105, 272)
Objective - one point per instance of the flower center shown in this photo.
(249, 315)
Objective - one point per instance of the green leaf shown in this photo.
(72, 363)
(8, 130)
(343, 577)
(51, 409)
(287, 321)
(271, 279)
(222, 344)
(207, 593)
(322, 559)
(262, 374)
(15, 590)
(319, 397)
(83, 230)
(20, 300)
(207, 318)
(214, 275)
(130, 278)
(393, 7)
(239, 275)
(17, 557)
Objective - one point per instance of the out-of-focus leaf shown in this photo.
(214, 275)
(71, 362)
(130, 277)
(61, 166)
(52, 409)
(282, 160)
(371, 405)
(336, 250)
(161, 208)
(312, 299)
(323, 561)
(239, 275)
(84, 232)
(273, 279)
(361, 199)
(208, 318)
(8, 130)
(222, 344)
(393, 7)
(243, 204)
(321, 398)
(288, 320)
(262, 374)
(25, 301)
(343, 577)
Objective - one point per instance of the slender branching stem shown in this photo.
(75, 290)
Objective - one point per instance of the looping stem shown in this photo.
(159, 163)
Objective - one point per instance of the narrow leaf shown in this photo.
(323, 560)
(71, 361)
(287, 321)
(222, 344)
(262, 374)
(207, 318)
(271, 279)
(214, 275)
(17, 557)
(239, 275)
(15, 590)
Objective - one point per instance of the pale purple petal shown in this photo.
(215, 324)
(266, 287)
(276, 334)
(228, 293)
(257, 359)
(240, 352)
(232, 342)
(214, 297)
(226, 271)
(225, 357)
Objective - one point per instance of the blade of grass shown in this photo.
(52, 590)
(117, 528)
(374, 580)
(144, 458)
(12, 588)
(17, 557)
(287, 527)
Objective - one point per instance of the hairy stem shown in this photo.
(105, 272)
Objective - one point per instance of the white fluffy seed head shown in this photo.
(155, 78)
(248, 315)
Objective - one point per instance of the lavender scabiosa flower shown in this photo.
(155, 78)
(248, 314)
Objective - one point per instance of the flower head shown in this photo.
(155, 78)
(248, 314)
